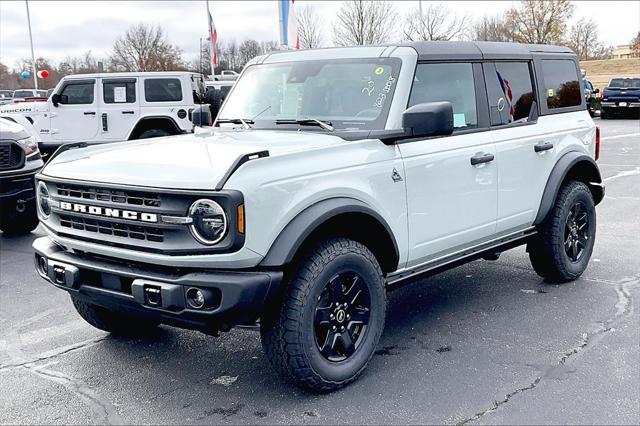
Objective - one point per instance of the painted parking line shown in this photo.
(619, 136)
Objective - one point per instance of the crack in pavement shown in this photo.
(623, 307)
(102, 410)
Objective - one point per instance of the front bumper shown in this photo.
(156, 292)
(16, 186)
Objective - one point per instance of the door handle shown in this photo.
(105, 127)
(89, 113)
(543, 146)
(481, 158)
(128, 112)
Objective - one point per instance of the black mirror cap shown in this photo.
(55, 99)
(596, 90)
(429, 119)
(201, 115)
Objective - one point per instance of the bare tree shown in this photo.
(539, 21)
(310, 28)
(635, 46)
(584, 39)
(362, 22)
(436, 22)
(248, 50)
(492, 28)
(145, 48)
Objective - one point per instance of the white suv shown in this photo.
(332, 176)
(109, 107)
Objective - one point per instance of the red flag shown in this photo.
(213, 34)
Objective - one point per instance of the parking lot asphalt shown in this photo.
(488, 342)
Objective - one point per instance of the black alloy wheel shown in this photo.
(342, 316)
(576, 232)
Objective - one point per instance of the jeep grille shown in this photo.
(11, 156)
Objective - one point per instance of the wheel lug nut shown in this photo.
(348, 316)
(331, 316)
(342, 329)
(333, 328)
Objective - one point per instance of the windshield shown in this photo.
(6, 93)
(353, 94)
(625, 82)
(22, 93)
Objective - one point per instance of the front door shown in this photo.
(76, 117)
(451, 181)
(119, 107)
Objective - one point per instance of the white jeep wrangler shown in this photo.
(331, 176)
(95, 108)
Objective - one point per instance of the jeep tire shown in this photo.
(325, 330)
(112, 322)
(562, 249)
(153, 133)
(13, 222)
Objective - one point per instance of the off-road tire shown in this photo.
(153, 133)
(14, 223)
(214, 99)
(288, 333)
(547, 252)
(114, 323)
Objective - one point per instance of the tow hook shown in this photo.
(21, 206)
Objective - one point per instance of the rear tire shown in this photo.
(112, 322)
(324, 332)
(153, 133)
(562, 249)
(604, 114)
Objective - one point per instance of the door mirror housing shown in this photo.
(55, 99)
(201, 116)
(429, 119)
(420, 121)
(596, 90)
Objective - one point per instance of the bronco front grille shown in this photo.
(137, 232)
(109, 195)
(11, 156)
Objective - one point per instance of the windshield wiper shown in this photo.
(244, 121)
(326, 125)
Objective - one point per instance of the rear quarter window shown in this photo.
(162, 90)
(562, 86)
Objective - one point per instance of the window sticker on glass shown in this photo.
(550, 93)
(120, 94)
(459, 120)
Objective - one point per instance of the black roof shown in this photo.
(476, 50)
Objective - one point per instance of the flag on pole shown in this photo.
(288, 25)
(213, 40)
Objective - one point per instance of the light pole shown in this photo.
(33, 57)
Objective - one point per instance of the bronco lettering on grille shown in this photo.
(108, 212)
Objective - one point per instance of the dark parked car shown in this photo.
(621, 95)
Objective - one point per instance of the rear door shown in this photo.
(119, 107)
(76, 116)
(451, 201)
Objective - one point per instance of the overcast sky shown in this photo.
(71, 28)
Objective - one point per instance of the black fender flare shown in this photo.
(294, 234)
(141, 121)
(571, 161)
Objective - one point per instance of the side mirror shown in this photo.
(596, 90)
(201, 115)
(55, 99)
(428, 119)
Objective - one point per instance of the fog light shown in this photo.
(195, 298)
(43, 265)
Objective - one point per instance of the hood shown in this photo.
(23, 107)
(194, 161)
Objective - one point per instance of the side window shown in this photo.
(509, 90)
(452, 82)
(562, 87)
(77, 94)
(119, 91)
(162, 90)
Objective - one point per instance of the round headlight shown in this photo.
(43, 199)
(209, 221)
